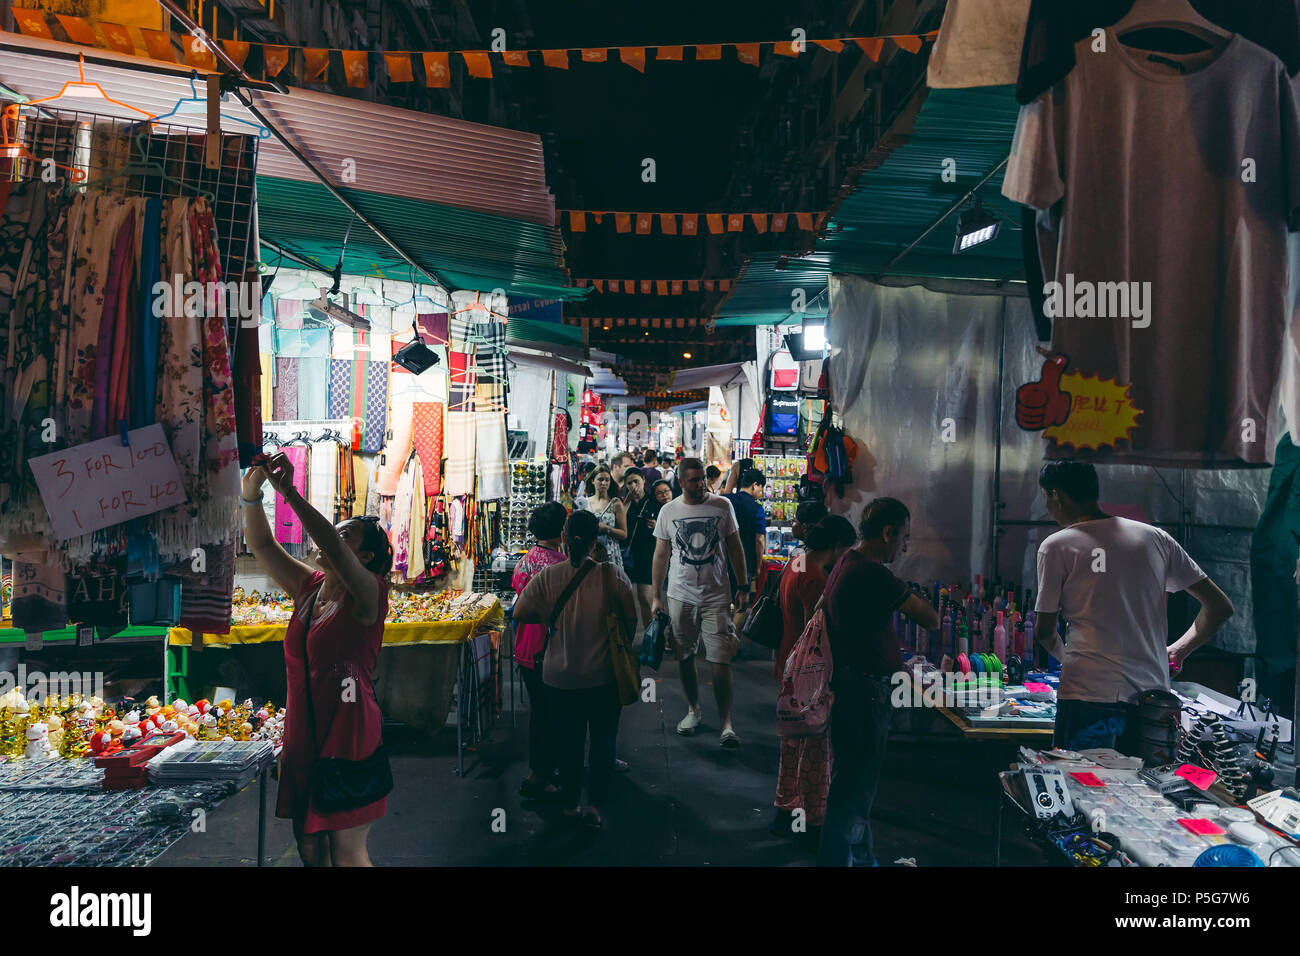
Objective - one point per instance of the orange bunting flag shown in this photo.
(399, 68)
(708, 51)
(595, 54)
(158, 43)
(668, 224)
(356, 66)
(32, 24)
(747, 53)
(623, 221)
(478, 64)
(778, 222)
(871, 46)
(198, 55)
(274, 59)
(645, 286)
(577, 220)
(437, 70)
(559, 59)
(805, 220)
(633, 56)
(785, 48)
(661, 287)
(724, 285)
(117, 38)
(760, 220)
(599, 284)
(237, 50)
(736, 222)
(317, 64)
(821, 220)
(911, 44)
(78, 30)
(598, 218)
(629, 287)
(643, 220)
(515, 57)
(611, 285)
(668, 53)
(834, 46)
(708, 285)
(692, 285)
(715, 222)
(677, 286)
(690, 224)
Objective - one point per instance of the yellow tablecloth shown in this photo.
(418, 632)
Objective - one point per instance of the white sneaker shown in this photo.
(688, 723)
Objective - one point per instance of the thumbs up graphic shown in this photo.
(1042, 404)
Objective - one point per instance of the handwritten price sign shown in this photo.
(104, 482)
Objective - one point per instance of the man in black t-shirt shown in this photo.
(752, 523)
(861, 598)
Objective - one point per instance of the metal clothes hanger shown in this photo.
(149, 168)
(201, 103)
(1177, 15)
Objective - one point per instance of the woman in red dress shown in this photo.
(338, 623)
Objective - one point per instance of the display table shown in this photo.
(68, 635)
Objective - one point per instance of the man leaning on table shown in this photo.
(1109, 577)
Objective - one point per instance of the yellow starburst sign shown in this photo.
(1101, 413)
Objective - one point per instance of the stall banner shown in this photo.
(106, 482)
(1073, 410)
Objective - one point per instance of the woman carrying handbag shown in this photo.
(334, 773)
(576, 599)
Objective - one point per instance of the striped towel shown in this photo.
(461, 395)
(460, 443)
(206, 598)
(493, 469)
(490, 351)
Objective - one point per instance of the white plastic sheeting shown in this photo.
(531, 392)
(910, 367)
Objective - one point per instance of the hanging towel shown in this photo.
(288, 529)
(490, 350)
(288, 313)
(433, 328)
(322, 481)
(340, 400)
(286, 389)
(419, 521)
(374, 395)
(493, 468)
(461, 395)
(460, 328)
(396, 449)
(400, 530)
(206, 603)
(428, 443)
(360, 484)
(313, 387)
(460, 454)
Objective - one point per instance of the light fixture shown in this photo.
(686, 355)
(814, 333)
(975, 226)
(325, 310)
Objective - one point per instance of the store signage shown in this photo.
(1081, 411)
(104, 482)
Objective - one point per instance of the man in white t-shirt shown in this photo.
(1109, 577)
(697, 536)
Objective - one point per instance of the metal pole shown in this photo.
(261, 814)
(995, 520)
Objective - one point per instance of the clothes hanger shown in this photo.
(1177, 15)
(194, 102)
(13, 148)
(81, 89)
(148, 168)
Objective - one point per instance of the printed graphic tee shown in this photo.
(698, 534)
(1182, 171)
(1118, 623)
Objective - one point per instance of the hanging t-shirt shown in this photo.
(1174, 192)
(1118, 624)
(698, 534)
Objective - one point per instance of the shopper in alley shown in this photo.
(698, 538)
(572, 599)
(334, 636)
(751, 521)
(804, 772)
(1110, 578)
(638, 554)
(861, 596)
(546, 524)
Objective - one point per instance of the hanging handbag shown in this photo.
(338, 784)
(621, 656)
(562, 600)
(764, 624)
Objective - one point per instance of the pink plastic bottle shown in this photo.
(1000, 639)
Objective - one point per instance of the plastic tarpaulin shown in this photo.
(914, 375)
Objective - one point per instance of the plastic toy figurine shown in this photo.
(38, 741)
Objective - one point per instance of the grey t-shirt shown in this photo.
(698, 536)
(1187, 181)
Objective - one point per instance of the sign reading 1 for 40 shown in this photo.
(104, 482)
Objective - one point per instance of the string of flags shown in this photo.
(622, 322)
(400, 65)
(688, 223)
(655, 286)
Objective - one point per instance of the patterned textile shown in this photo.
(434, 328)
(461, 394)
(143, 398)
(288, 313)
(490, 446)
(286, 389)
(460, 331)
(322, 481)
(560, 439)
(804, 778)
(340, 389)
(288, 529)
(400, 530)
(459, 450)
(490, 397)
(360, 484)
(396, 450)
(490, 350)
(206, 603)
(375, 391)
(427, 437)
(248, 406)
(40, 599)
(24, 219)
(110, 330)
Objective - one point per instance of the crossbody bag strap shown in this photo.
(563, 599)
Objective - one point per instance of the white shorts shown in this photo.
(710, 628)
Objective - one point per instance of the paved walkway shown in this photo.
(685, 802)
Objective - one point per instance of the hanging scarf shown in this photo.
(286, 389)
(419, 521)
(323, 479)
(143, 405)
(397, 449)
(460, 454)
(109, 331)
(427, 430)
(401, 522)
(288, 528)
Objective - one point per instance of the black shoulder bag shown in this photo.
(339, 784)
(562, 600)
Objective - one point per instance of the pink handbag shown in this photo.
(803, 704)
